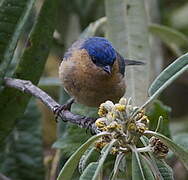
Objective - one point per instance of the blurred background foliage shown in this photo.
(27, 152)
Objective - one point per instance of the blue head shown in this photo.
(101, 52)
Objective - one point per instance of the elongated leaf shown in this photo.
(84, 159)
(137, 170)
(13, 16)
(171, 37)
(104, 154)
(138, 48)
(151, 160)
(128, 165)
(166, 77)
(181, 139)
(140, 168)
(30, 67)
(116, 24)
(181, 153)
(93, 27)
(20, 143)
(165, 169)
(147, 170)
(70, 141)
(70, 166)
(50, 81)
(89, 171)
(159, 109)
(179, 16)
(116, 165)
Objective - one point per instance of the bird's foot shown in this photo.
(64, 107)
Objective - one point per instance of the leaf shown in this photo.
(84, 159)
(137, 171)
(140, 168)
(179, 15)
(104, 154)
(151, 159)
(25, 149)
(89, 171)
(166, 77)
(116, 165)
(70, 141)
(181, 153)
(171, 37)
(181, 139)
(137, 48)
(116, 31)
(70, 166)
(13, 17)
(30, 67)
(165, 169)
(85, 110)
(116, 24)
(49, 81)
(147, 170)
(93, 27)
(159, 109)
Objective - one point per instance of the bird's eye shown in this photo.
(94, 60)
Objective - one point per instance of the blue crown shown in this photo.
(100, 50)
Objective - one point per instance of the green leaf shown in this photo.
(159, 109)
(30, 67)
(25, 149)
(116, 165)
(137, 171)
(178, 18)
(70, 141)
(93, 27)
(165, 169)
(84, 110)
(89, 171)
(13, 16)
(181, 139)
(84, 159)
(147, 170)
(131, 39)
(50, 81)
(137, 48)
(171, 37)
(104, 154)
(140, 168)
(151, 159)
(70, 166)
(116, 24)
(181, 153)
(166, 77)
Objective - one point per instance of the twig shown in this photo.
(27, 87)
(3, 177)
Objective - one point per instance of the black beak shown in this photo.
(107, 69)
(129, 62)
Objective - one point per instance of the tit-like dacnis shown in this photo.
(92, 71)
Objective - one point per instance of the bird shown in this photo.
(92, 71)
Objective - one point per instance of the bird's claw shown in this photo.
(64, 107)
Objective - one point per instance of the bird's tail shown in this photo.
(129, 62)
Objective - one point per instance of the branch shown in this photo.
(27, 87)
(3, 177)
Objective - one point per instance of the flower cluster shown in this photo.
(158, 147)
(125, 123)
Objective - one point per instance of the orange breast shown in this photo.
(89, 84)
